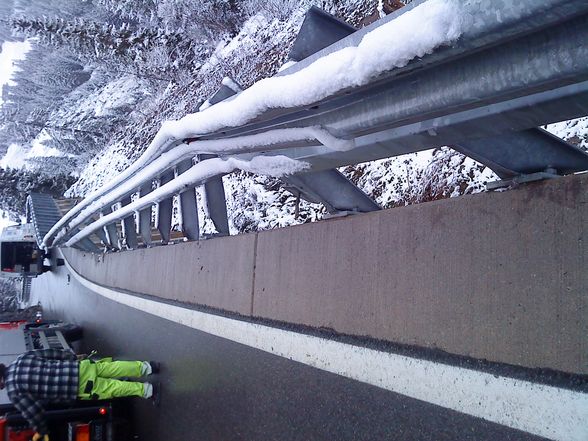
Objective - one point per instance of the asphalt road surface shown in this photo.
(216, 389)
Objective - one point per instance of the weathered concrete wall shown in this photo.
(217, 273)
(500, 276)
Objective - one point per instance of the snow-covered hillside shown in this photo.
(127, 109)
(259, 202)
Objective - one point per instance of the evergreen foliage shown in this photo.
(8, 298)
(92, 41)
(103, 75)
(16, 184)
(45, 78)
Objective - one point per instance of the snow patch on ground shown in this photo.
(245, 37)
(440, 21)
(38, 149)
(257, 202)
(123, 92)
(574, 131)
(14, 157)
(4, 220)
(17, 155)
(418, 177)
(105, 167)
(12, 51)
(120, 93)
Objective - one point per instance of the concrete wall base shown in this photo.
(499, 276)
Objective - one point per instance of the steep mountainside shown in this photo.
(104, 76)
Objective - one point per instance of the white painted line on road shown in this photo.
(547, 411)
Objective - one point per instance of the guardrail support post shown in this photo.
(525, 152)
(319, 29)
(145, 216)
(110, 230)
(332, 189)
(164, 218)
(88, 245)
(129, 230)
(189, 206)
(216, 201)
(102, 236)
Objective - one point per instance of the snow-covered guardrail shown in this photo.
(438, 72)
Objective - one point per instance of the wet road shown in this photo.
(215, 389)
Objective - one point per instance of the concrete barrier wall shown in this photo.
(498, 276)
(217, 273)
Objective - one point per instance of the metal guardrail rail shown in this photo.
(42, 212)
(516, 65)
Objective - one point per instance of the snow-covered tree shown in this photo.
(16, 184)
(125, 66)
(213, 19)
(135, 11)
(120, 47)
(8, 298)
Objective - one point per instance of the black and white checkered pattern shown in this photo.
(44, 375)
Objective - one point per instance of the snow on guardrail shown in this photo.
(267, 140)
(440, 22)
(269, 165)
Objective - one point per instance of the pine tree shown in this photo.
(212, 20)
(140, 12)
(8, 298)
(106, 43)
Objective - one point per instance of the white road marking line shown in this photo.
(547, 411)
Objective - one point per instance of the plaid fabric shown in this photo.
(39, 376)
